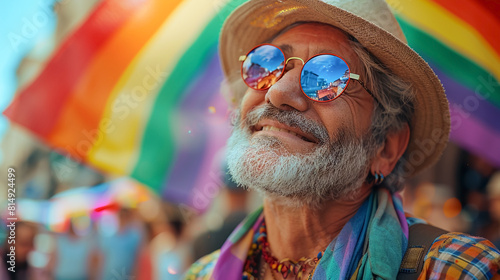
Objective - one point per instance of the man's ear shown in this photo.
(393, 148)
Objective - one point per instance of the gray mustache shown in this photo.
(290, 118)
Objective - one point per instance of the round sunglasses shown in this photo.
(323, 77)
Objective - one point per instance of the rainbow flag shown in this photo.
(461, 41)
(134, 91)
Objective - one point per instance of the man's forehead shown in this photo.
(316, 38)
(287, 48)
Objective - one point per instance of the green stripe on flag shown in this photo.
(458, 67)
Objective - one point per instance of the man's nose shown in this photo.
(286, 93)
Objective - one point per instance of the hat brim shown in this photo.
(259, 20)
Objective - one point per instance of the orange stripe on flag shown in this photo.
(80, 126)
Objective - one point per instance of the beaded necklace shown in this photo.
(286, 267)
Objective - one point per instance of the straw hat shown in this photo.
(374, 26)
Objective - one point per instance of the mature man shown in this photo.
(336, 113)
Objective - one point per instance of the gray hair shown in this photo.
(395, 106)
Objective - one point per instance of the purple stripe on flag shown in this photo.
(470, 133)
(203, 130)
(470, 101)
(197, 97)
(211, 173)
(190, 144)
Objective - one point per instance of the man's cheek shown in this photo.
(251, 99)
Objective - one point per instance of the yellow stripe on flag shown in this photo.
(451, 30)
(131, 101)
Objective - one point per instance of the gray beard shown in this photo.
(334, 170)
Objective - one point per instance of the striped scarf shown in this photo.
(360, 251)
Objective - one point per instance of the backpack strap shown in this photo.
(421, 237)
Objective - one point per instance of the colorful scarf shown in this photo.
(370, 246)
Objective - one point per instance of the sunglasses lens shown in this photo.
(324, 77)
(263, 66)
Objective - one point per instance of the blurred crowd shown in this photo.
(149, 239)
(155, 239)
(464, 197)
(122, 243)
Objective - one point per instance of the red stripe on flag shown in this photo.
(491, 5)
(483, 16)
(38, 105)
(78, 125)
